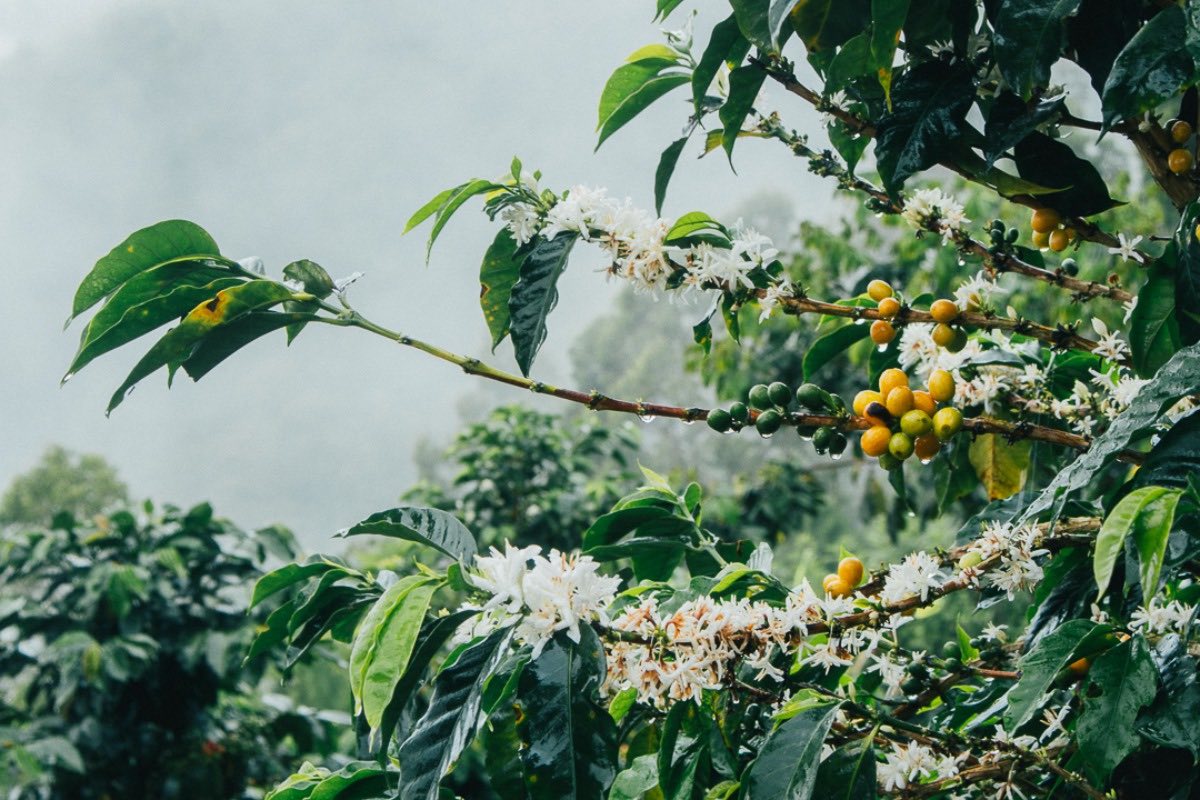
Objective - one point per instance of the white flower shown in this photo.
(1127, 249)
(931, 208)
(773, 298)
(917, 574)
(522, 219)
(995, 633)
(1111, 345)
(502, 574)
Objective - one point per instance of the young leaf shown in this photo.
(1028, 37)
(175, 240)
(430, 526)
(535, 294)
(289, 575)
(457, 197)
(499, 271)
(787, 764)
(429, 209)
(1153, 67)
(570, 741)
(1120, 682)
(448, 724)
(1151, 530)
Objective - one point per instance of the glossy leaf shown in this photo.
(228, 339)
(429, 526)
(725, 44)
(1151, 530)
(831, 345)
(826, 24)
(848, 773)
(1153, 329)
(453, 202)
(1052, 163)
(1000, 465)
(1174, 457)
(290, 575)
(887, 20)
(1171, 720)
(1028, 37)
(1184, 251)
(666, 168)
(570, 741)
(786, 766)
(174, 240)
(1120, 682)
(1099, 32)
(648, 75)
(311, 275)
(1153, 67)
(635, 780)
(744, 84)
(352, 782)
(535, 294)
(1039, 667)
(497, 275)
(448, 724)
(1120, 522)
(1010, 120)
(683, 749)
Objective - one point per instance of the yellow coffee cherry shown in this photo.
(864, 399)
(1079, 668)
(916, 423)
(1044, 220)
(1059, 240)
(899, 401)
(970, 559)
(878, 290)
(924, 402)
(875, 440)
(1040, 240)
(838, 588)
(1179, 161)
(890, 379)
(927, 446)
(941, 386)
(889, 307)
(943, 335)
(830, 578)
(943, 310)
(1180, 132)
(946, 423)
(850, 569)
(882, 331)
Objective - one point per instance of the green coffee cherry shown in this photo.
(958, 342)
(916, 423)
(780, 394)
(822, 438)
(953, 664)
(970, 560)
(1011, 236)
(760, 397)
(837, 444)
(719, 420)
(947, 422)
(1070, 267)
(912, 686)
(740, 413)
(811, 396)
(768, 422)
(951, 650)
(900, 445)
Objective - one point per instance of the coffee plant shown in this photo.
(654, 658)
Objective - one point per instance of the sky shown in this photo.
(309, 130)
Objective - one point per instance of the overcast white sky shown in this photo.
(305, 130)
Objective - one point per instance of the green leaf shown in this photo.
(636, 84)
(312, 276)
(535, 294)
(352, 782)
(448, 724)
(1099, 32)
(1148, 514)
(289, 575)
(825, 24)
(1153, 67)
(1171, 720)
(621, 704)
(848, 773)
(725, 45)
(1010, 120)
(1072, 640)
(853, 61)
(228, 339)
(666, 168)
(1000, 465)
(497, 275)
(1120, 682)
(429, 209)
(744, 83)
(1153, 329)
(831, 345)
(1174, 457)
(1028, 37)
(570, 741)
(175, 240)
(1177, 378)
(1185, 252)
(457, 197)
(929, 108)
(430, 526)
(850, 145)
(179, 343)
(146, 302)
(777, 15)
(967, 651)
(753, 20)
(383, 643)
(787, 764)
(684, 747)
(887, 19)
(690, 224)
(1049, 162)
(665, 7)
(635, 780)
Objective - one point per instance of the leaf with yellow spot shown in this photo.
(499, 271)
(1002, 466)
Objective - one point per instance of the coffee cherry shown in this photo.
(863, 399)
(899, 401)
(953, 664)
(927, 446)
(837, 444)
(1070, 267)
(912, 686)
(1179, 161)
(850, 569)
(760, 397)
(916, 423)
(941, 386)
(1044, 220)
(780, 394)
(720, 421)
(951, 650)
(889, 307)
(1040, 240)
(828, 579)
(917, 669)
(943, 335)
(875, 440)
(739, 412)
(882, 331)
(822, 438)
(900, 445)
(1180, 131)
(889, 462)
(838, 588)
(878, 290)
(1079, 668)
(811, 396)
(958, 342)
(890, 379)
(923, 401)
(1059, 240)
(943, 310)
(970, 560)
(768, 422)
(878, 414)
(947, 422)
(1012, 236)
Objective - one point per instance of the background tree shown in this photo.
(81, 485)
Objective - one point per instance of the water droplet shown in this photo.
(67, 377)
(646, 417)
(860, 321)
(766, 435)
(926, 460)
(912, 513)
(837, 456)
(685, 422)
(882, 348)
(806, 436)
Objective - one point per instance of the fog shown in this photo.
(308, 130)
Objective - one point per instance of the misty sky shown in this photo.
(307, 130)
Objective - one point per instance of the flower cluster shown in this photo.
(916, 575)
(540, 594)
(909, 764)
(932, 209)
(1162, 617)
(1016, 548)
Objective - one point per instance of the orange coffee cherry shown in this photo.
(1180, 132)
(1059, 240)
(850, 569)
(924, 402)
(889, 307)
(875, 440)
(877, 290)
(941, 386)
(1040, 240)
(1044, 220)
(830, 578)
(839, 588)
(864, 399)
(890, 379)
(882, 331)
(1179, 161)
(1079, 668)
(943, 310)
(943, 335)
(899, 401)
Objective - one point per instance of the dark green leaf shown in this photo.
(171, 241)
(1099, 32)
(1153, 67)
(1028, 37)
(499, 271)
(826, 24)
(831, 345)
(312, 276)
(430, 526)
(1185, 252)
(1049, 162)
(1174, 457)
(1171, 720)
(726, 43)
(848, 773)
(683, 749)
(786, 766)
(1153, 329)
(850, 146)
(228, 339)
(289, 575)
(535, 294)
(1039, 668)
(665, 7)
(666, 168)
(887, 19)
(354, 781)
(448, 724)
(1120, 682)
(777, 14)
(570, 742)
(744, 83)
(648, 75)
(753, 20)
(1010, 120)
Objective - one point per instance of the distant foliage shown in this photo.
(81, 485)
